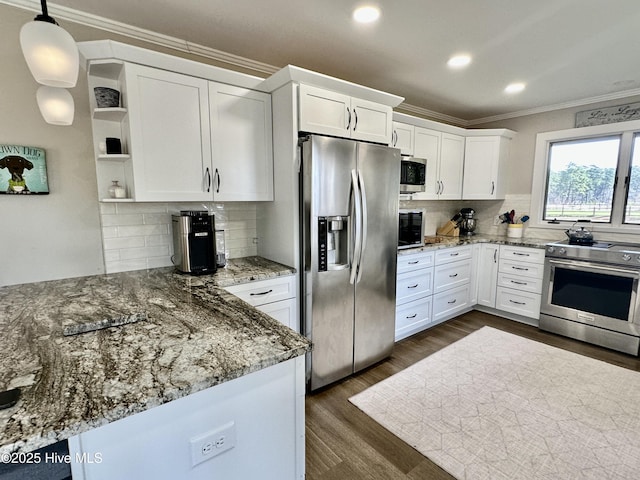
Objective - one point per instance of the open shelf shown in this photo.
(120, 157)
(115, 114)
(116, 200)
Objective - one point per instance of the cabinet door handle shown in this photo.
(493, 187)
(412, 316)
(442, 189)
(521, 254)
(355, 124)
(413, 286)
(519, 283)
(349, 118)
(495, 255)
(217, 174)
(452, 301)
(454, 254)
(261, 293)
(413, 263)
(394, 138)
(453, 276)
(207, 176)
(520, 268)
(517, 303)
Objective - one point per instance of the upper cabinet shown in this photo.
(241, 143)
(444, 153)
(402, 138)
(183, 138)
(485, 167)
(170, 135)
(331, 113)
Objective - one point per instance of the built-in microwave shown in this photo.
(412, 174)
(411, 228)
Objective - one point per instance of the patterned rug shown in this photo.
(496, 406)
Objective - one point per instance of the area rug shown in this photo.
(496, 406)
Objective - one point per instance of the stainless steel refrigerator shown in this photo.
(349, 205)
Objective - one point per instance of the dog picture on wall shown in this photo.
(23, 170)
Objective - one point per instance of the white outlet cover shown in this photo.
(212, 443)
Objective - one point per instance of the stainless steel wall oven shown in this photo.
(591, 293)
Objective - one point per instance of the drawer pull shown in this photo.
(517, 303)
(413, 263)
(454, 254)
(453, 276)
(413, 286)
(522, 254)
(453, 301)
(519, 283)
(261, 293)
(521, 268)
(412, 316)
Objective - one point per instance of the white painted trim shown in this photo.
(101, 23)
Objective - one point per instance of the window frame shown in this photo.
(626, 130)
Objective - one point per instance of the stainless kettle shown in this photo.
(579, 237)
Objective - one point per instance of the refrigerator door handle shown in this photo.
(358, 226)
(363, 241)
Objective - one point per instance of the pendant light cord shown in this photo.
(45, 14)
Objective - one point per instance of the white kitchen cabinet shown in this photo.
(402, 138)
(241, 144)
(414, 290)
(452, 282)
(331, 113)
(276, 297)
(170, 135)
(444, 153)
(485, 160)
(487, 274)
(519, 281)
(183, 138)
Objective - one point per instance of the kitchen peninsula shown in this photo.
(197, 353)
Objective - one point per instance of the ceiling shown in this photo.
(566, 51)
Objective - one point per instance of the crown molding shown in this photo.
(265, 70)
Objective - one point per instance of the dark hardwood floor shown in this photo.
(344, 443)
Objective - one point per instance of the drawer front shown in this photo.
(414, 261)
(519, 282)
(265, 291)
(413, 317)
(450, 303)
(529, 270)
(451, 275)
(413, 285)
(516, 301)
(522, 254)
(446, 255)
(284, 311)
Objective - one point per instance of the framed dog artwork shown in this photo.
(23, 170)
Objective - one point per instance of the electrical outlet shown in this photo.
(213, 443)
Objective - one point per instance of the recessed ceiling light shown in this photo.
(514, 87)
(459, 61)
(366, 14)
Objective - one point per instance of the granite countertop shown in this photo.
(439, 241)
(187, 334)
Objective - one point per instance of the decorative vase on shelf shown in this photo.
(116, 190)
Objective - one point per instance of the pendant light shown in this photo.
(56, 105)
(51, 53)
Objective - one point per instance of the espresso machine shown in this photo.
(194, 242)
(467, 222)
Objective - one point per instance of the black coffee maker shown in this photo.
(194, 242)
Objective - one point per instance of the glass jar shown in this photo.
(116, 190)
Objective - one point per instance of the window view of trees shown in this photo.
(632, 209)
(581, 179)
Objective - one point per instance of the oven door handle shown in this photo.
(587, 266)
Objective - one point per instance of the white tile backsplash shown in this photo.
(138, 235)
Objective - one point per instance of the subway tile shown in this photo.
(123, 242)
(107, 208)
(157, 262)
(156, 218)
(111, 255)
(157, 240)
(141, 207)
(125, 266)
(121, 219)
(143, 252)
(109, 232)
(144, 230)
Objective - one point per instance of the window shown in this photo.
(590, 173)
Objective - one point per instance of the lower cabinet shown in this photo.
(414, 291)
(434, 286)
(276, 297)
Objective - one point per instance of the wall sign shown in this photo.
(601, 116)
(23, 170)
